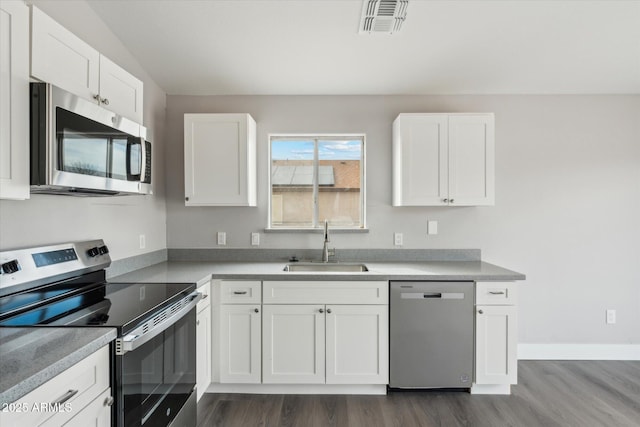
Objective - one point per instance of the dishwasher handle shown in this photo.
(432, 295)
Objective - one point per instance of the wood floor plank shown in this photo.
(549, 394)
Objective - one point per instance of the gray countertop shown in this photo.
(30, 357)
(201, 271)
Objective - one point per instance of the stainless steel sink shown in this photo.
(326, 267)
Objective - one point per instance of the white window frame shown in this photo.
(324, 137)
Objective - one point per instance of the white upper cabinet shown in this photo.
(14, 100)
(220, 160)
(120, 91)
(61, 58)
(443, 159)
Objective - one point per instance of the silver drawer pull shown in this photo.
(496, 292)
(205, 296)
(68, 395)
(108, 401)
(239, 292)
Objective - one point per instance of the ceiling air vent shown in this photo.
(383, 16)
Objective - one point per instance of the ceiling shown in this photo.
(300, 47)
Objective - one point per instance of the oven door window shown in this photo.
(159, 376)
(90, 148)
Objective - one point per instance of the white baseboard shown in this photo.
(578, 351)
(376, 389)
(491, 388)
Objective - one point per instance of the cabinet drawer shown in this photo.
(240, 292)
(326, 292)
(97, 413)
(85, 380)
(205, 302)
(496, 293)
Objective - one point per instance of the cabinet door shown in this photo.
(420, 160)
(14, 102)
(120, 91)
(240, 344)
(203, 351)
(293, 340)
(96, 414)
(61, 58)
(496, 344)
(357, 344)
(471, 160)
(220, 160)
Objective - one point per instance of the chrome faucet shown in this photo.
(326, 252)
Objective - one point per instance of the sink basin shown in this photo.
(326, 268)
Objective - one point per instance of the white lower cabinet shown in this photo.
(496, 338)
(325, 344)
(295, 333)
(64, 399)
(203, 342)
(357, 340)
(96, 414)
(240, 343)
(293, 339)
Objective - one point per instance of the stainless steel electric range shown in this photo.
(153, 359)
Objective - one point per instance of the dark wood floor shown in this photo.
(549, 393)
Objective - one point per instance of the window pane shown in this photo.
(292, 183)
(339, 179)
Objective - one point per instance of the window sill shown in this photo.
(316, 230)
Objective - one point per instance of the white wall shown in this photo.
(567, 198)
(48, 219)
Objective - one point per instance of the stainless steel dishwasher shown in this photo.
(431, 334)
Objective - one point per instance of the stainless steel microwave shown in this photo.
(80, 148)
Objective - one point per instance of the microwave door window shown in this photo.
(84, 154)
(134, 159)
(118, 159)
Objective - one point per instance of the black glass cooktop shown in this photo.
(88, 301)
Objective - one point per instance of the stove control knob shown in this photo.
(93, 252)
(10, 267)
(103, 250)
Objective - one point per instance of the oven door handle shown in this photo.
(148, 330)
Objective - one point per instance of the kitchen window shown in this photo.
(314, 178)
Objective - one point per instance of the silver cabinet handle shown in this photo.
(451, 201)
(105, 101)
(108, 401)
(480, 312)
(97, 97)
(496, 292)
(256, 310)
(239, 292)
(329, 310)
(205, 296)
(445, 200)
(321, 310)
(68, 395)
(197, 322)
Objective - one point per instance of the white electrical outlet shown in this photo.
(255, 239)
(432, 227)
(143, 241)
(222, 238)
(611, 317)
(397, 239)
